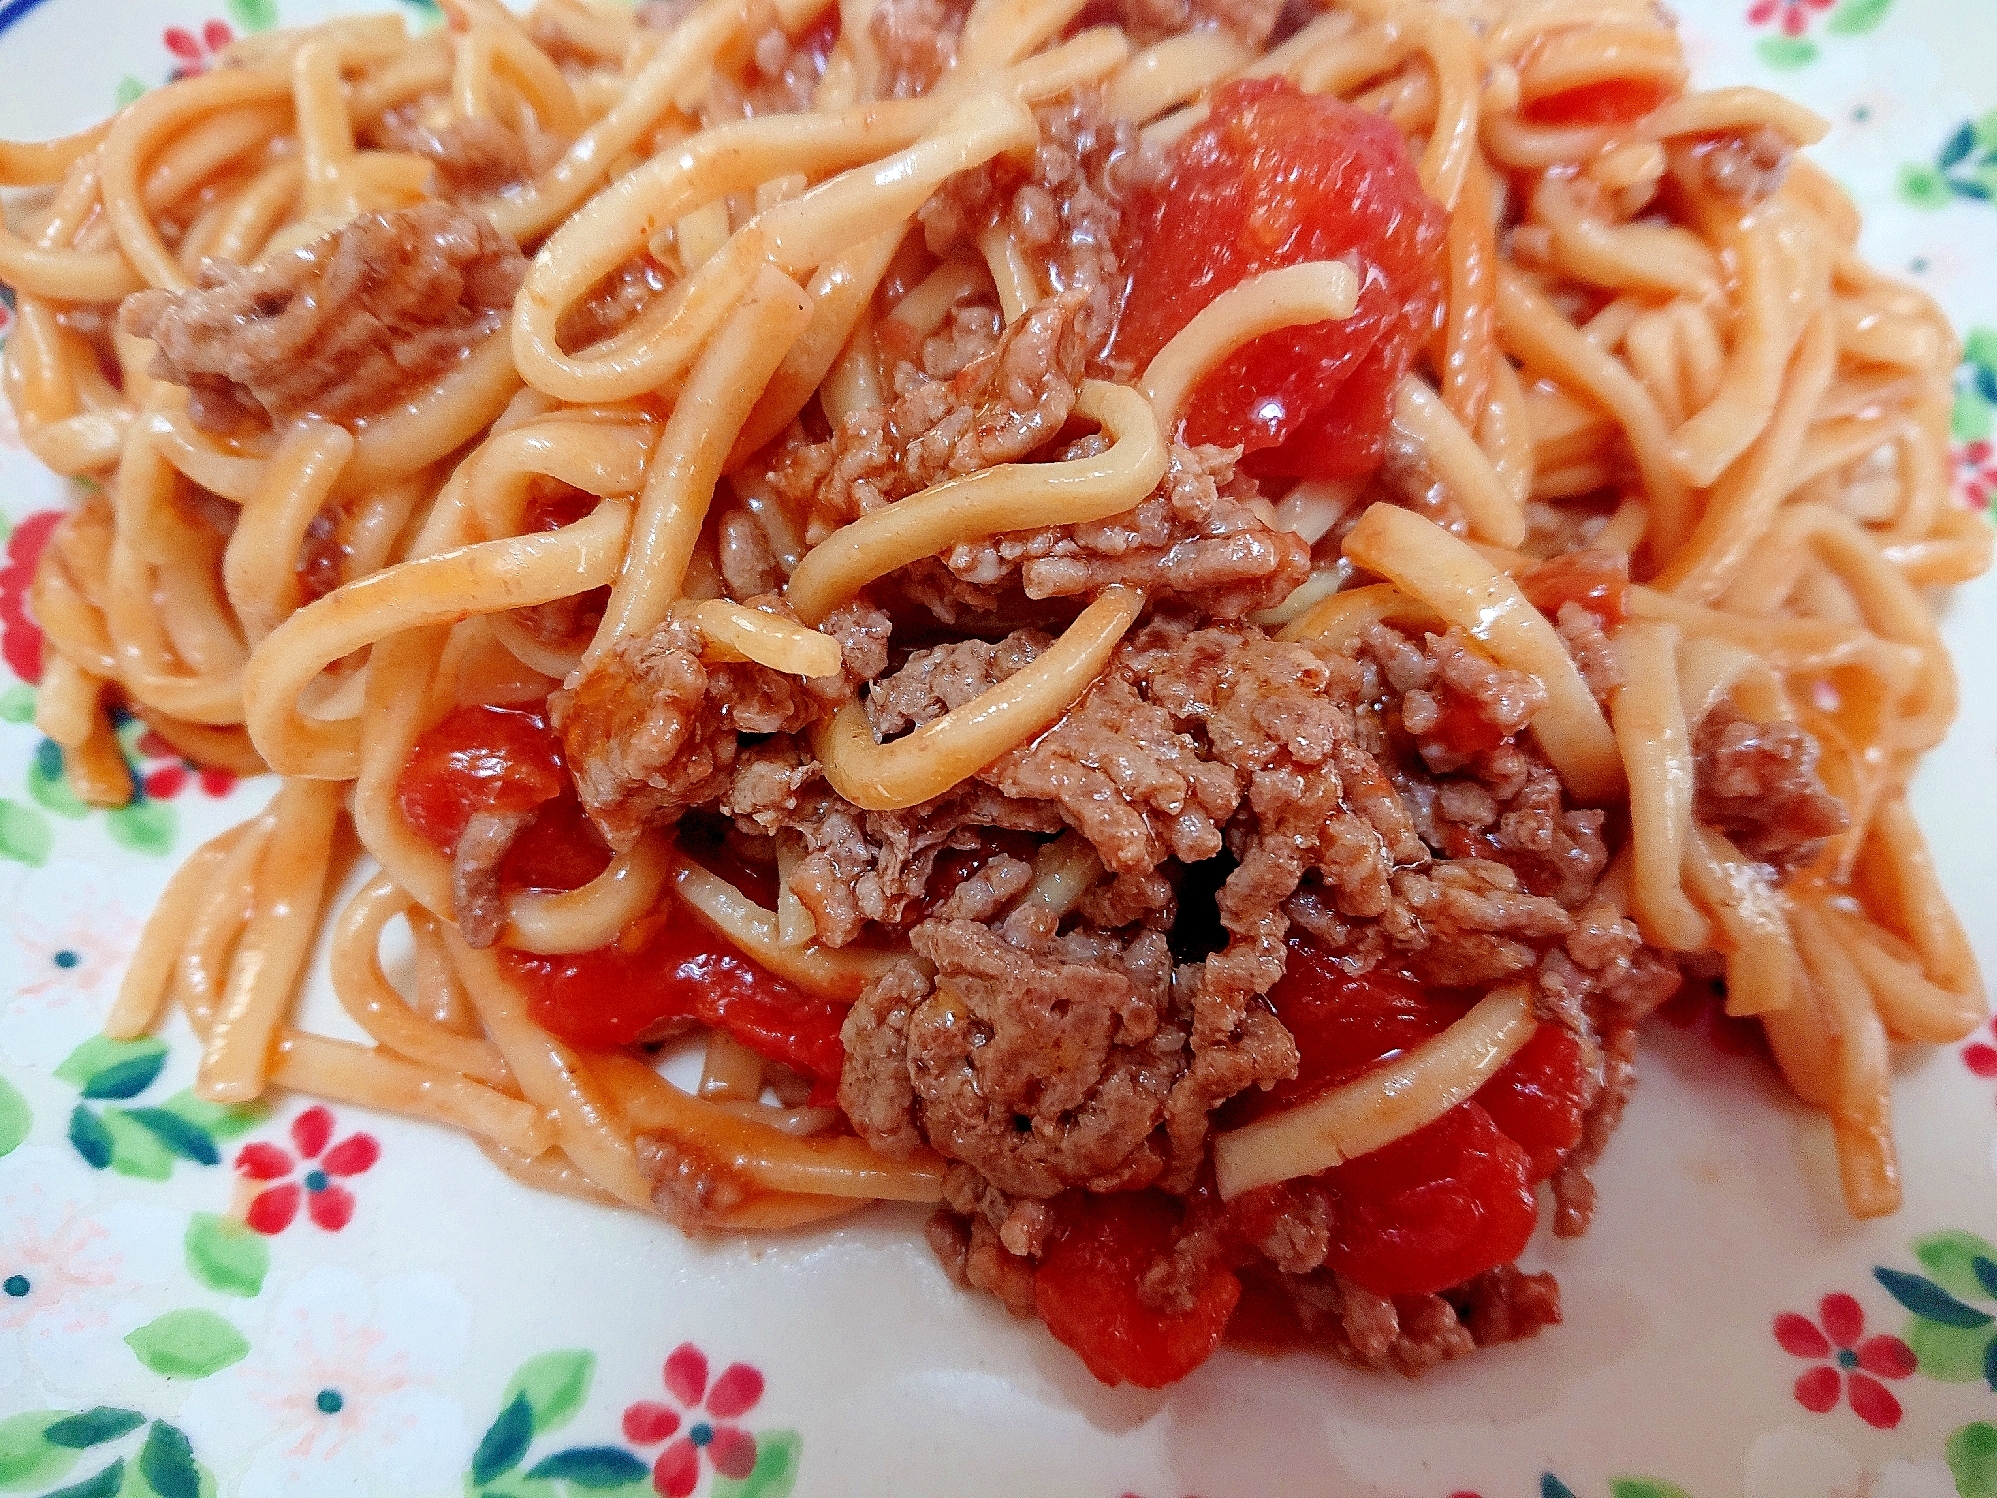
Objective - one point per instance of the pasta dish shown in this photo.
(1158, 624)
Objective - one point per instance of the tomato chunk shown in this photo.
(676, 969)
(1452, 1199)
(1432, 1209)
(1536, 1098)
(1613, 101)
(1274, 177)
(481, 758)
(1086, 1290)
(1597, 580)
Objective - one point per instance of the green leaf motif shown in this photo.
(106, 1068)
(17, 704)
(136, 1150)
(187, 1344)
(25, 834)
(1856, 17)
(1786, 53)
(777, 1459)
(514, 1485)
(505, 1441)
(1552, 1487)
(1951, 1354)
(15, 1118)
(1644, 1487)
(1972, 1459)
(555, 1384)
(216, 1120)
(130, 90)
(1921, 186)
(50, 787)
(225, 1255)
(1951, 1260)
(144, 826)
(253, 15)
(94, 1427)
(91, 1138)
(177, 1134)
(1970, 420)
(594, 1467)
(1957, 147)
(167, 1463)
(105, 1484)
(1925, 1298)
(1980, 348)
(28, 1459)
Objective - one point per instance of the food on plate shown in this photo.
(1157, 623)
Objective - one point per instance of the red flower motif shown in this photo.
(732, 1450)
(1980, 1056)
(164, 782)
(1854, 1359)
(195, 52)
(327, 1203)
(1976, 473)
(1793, 14)
(20, 636)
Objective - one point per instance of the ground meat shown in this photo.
(1038, 1071)
(975, 1257)
(475, 894)
(917, 42)
(475, 157)
(1147, 21)
(1065, 211)
(1758, 784)
(653, 730)
(997, 409)
(1411, 1334)
(340, 328)
(1581, 632)
(1741, 167)
(1203, 534)
(932, 682)
(613, 302)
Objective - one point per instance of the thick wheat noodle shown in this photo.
(1012, 496)
(1297, 296)
(269, 965)
(717, 398)
(938, 755)
(1751, 417)
(483, 578)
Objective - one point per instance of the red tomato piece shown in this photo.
(1536, 1099)
(1086, 1290)
(1274, 177)
(1430, 1210)
(560, 849)
(1345, 1024)
(671, 969)
(1597, 580)
(1613, 101)
(482, 758)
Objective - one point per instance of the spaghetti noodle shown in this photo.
(1188, 621)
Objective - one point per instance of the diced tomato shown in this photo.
(1613, 101)
(1433, 1209)
(674, 968)
(1345, 1024)
(1536, 1099)
(1597, 580)
(1086, 1290)
(560, 849)
(1274, 177)
(1454, 1198)
(482, 758)
(1463, 729)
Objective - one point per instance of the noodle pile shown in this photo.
(1655, 342)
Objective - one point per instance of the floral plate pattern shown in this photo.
(289, 1299)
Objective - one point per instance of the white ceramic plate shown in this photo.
(420, 1326)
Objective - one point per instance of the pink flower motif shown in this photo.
(1794, 15)
(1854, 1359)
(196, 52)
(327, 1203)
(1980, 1056)
(1976, 473)
(731, 1449)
